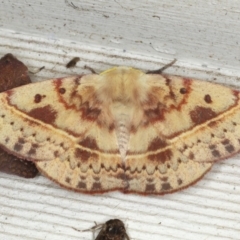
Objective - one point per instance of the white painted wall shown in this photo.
(202, 35)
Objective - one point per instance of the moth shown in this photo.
(113, 229)
(72, 63)
(14, 73)
(123, 129)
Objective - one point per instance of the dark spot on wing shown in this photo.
(62, 90)
(201, 114)
(161, 156)
(208, 98)
(166, 186)
(17, 147)
(156, 144)
(183, 90)
(45, 114)
(81, 185)
(96, 186)
(84, 155)
(37, 98)
(89, 143)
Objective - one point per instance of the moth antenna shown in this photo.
(90, 69)
(94, 228)
(159, 71)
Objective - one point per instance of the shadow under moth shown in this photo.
(123, 129)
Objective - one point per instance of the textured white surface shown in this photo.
(202, 35)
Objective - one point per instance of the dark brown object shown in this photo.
(73, 62)
(14, 73)
(113, 229)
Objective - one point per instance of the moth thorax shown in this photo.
(123, 85)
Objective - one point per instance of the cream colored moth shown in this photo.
(122, 129)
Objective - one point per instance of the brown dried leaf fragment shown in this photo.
(14, 73)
